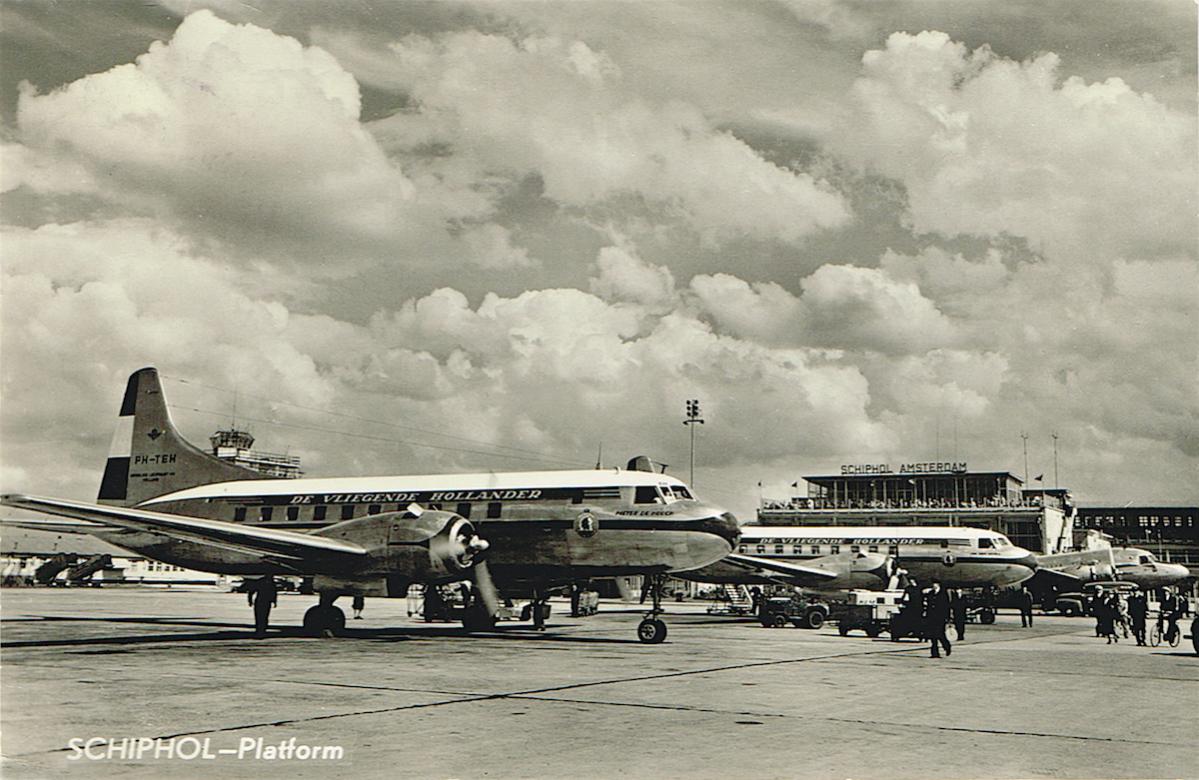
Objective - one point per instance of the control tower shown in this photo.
(235, 446)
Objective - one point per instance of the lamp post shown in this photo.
(1024, 436)
(693, 418)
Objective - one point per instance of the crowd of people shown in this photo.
(1117, 614)
(800, 502)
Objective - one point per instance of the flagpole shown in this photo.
(1055, 483)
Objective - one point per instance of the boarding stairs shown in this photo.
(46, 573)
(89, 567)
(732, 600)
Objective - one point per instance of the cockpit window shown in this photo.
(1146, 559)
(645, 494)
(984, 543)
(683, 492)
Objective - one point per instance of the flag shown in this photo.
(1039, 478)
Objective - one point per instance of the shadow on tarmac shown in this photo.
(242, 632)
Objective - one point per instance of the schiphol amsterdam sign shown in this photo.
(936, 467)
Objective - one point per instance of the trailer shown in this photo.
(869, 611)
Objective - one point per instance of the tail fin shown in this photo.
(148, 457)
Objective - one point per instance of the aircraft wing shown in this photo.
(795, 571)
(270, 542)
(55, 526)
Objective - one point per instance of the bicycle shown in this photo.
(1172, 635)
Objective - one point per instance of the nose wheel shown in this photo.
(324, 619)
(652, 630)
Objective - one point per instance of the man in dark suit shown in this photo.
(936, 614)
(262, 595)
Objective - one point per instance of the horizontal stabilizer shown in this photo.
(217, 533)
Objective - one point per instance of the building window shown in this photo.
(494, 509)
(239, 514)
(347, 511)
(318, 513)
(265, 513)
(293, 513)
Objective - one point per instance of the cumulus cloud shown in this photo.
(986, 145)
(558, 109)
(230, 129)
(762, 311)
(623, 276)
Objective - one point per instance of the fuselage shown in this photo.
(1141, 568)
(541, 526)
(958, 557)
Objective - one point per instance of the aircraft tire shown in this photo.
(651, 631)
(873, 631)
(986, 616)
(475, 619)
(320, 619)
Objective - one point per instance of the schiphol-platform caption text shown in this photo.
(197, 749)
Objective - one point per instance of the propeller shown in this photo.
(480, 575)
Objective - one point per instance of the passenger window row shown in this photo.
(320, 512)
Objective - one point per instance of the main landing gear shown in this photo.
(324, 619)
(652, 631)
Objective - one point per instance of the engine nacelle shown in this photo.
(425, 546)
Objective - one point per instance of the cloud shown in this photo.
(625, 276)
(233, 131)
(989, 146)
(762, 311)
(559, 110)
(850, 307)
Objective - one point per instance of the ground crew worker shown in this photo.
(936, 614)
(958, 607)
(1138, 612)
(262, 595)
(358, 605)
(1024, 601)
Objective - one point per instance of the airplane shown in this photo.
(1108, 565)
(165, 499)
(830, 558)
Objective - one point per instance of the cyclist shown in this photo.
(1170, 612)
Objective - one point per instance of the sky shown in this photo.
(415, 237)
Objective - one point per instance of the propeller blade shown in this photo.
(481, 576)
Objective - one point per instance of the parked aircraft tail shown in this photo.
(149, 457)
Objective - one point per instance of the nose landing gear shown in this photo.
(651, 630)
(324, 619)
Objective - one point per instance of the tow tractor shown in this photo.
(776, 612)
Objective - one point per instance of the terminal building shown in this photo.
(937, 493)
